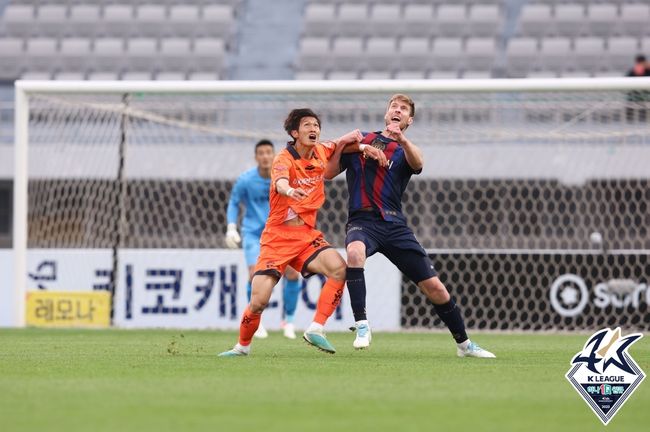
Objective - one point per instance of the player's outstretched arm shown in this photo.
(283, 188)
(233, 239)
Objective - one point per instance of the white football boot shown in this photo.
(364, 335)
(289, 330)
(473, 350)
(261, 332)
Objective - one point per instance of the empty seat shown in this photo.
(414, 53)
(208, 53)
(476, 74)
(19, 19)
(569, 19)
(313, 53)
(634, 19)
(319, 19)
(588, 52)
(440, 74)
(484, 20)
(42, 54)
(309, 75)
(343, 75)
(118, 19)
(103, 76)
(352, 19)
(12, 58)
(70, 76)
(150, 19)
(620, 53)
(142, 53)
(174, 52)
(36, 75)
(410, 74)
(75, 53)
(480, 53)
(451, 20)
(380, 53)
(521, 54)
(346, 52)
(376, 75)
(602, 18)
(203, 76)
(183, 20)
(52, 20)
(447, 54)
(137, 76)
(217, 20)
(555, 54)
(534, 19)
(417, 20)
(384, 20)
(109, 54)
(84, 19)
(171, 76)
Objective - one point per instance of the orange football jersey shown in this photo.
(307, 174)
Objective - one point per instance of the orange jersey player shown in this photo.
(290, 237)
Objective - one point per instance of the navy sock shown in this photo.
(357, 289)
(450, 315)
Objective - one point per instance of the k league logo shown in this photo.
(604, 373)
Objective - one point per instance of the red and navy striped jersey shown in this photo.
(370, 185)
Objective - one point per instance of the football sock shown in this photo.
(450, 315)
(249, 323)
(357, 290)
(329, 299)
(290, 298)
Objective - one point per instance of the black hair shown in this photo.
(640, 58)
(293, 119)
(263, 142)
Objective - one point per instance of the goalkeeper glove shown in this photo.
(232, 236)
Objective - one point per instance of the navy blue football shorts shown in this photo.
(395, 241)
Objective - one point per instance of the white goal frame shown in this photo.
(23, 90)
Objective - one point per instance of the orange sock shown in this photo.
(329, 299)
(249, 323)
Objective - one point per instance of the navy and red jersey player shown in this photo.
(376, 223)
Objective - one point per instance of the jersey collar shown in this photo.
(291, 148)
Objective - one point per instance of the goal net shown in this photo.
(520, 165)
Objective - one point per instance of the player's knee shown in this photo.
(257, 305)
(435, 290)
(356, 257)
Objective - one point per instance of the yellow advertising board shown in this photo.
(68, 309)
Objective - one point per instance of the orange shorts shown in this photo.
(284, 245)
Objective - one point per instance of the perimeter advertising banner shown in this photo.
(178, 288)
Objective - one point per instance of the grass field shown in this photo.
(119, 380)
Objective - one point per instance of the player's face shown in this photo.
(399, 112)
(308, 132)
(264, 156)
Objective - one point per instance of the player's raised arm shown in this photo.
(412, 152)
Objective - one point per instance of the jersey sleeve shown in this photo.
(280, 169)
(236, 196)
(327, 149)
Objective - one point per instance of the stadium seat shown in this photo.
(620, 53)
(602, 18)
(36, 75)
(109, 54)
(12, 57)
(175, 52)
(384, 18)
(19, 19)
(137, 76)
(410, 74)
(103, 76)
(118, 19)
(588, 52)
(440, 74)
(52, 20)
(418, 20)
(414, 53)
(555, 54)
(380, 53)
(346, 52)
(83, 19)
(447, 53)
(534, 19)
(142, 53)
(569, 19)
(480, 53)
(476, 74)
(313, 53)
(451, 20)
(634, 19)
(217, 20)
(208, 53)
(484, 20)
(319, 19)
(75, 53)
(70, 76)
(171, 76)
(150, 20)
(183, 21)
(343, 75)
(521, 54)
(376, 75)
(203, 76)
(309, 75)
(42, 54)
(352, 19)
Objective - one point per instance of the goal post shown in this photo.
(460, 125)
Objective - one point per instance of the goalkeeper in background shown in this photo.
(252, 191)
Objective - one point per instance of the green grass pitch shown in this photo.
(160, 380)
